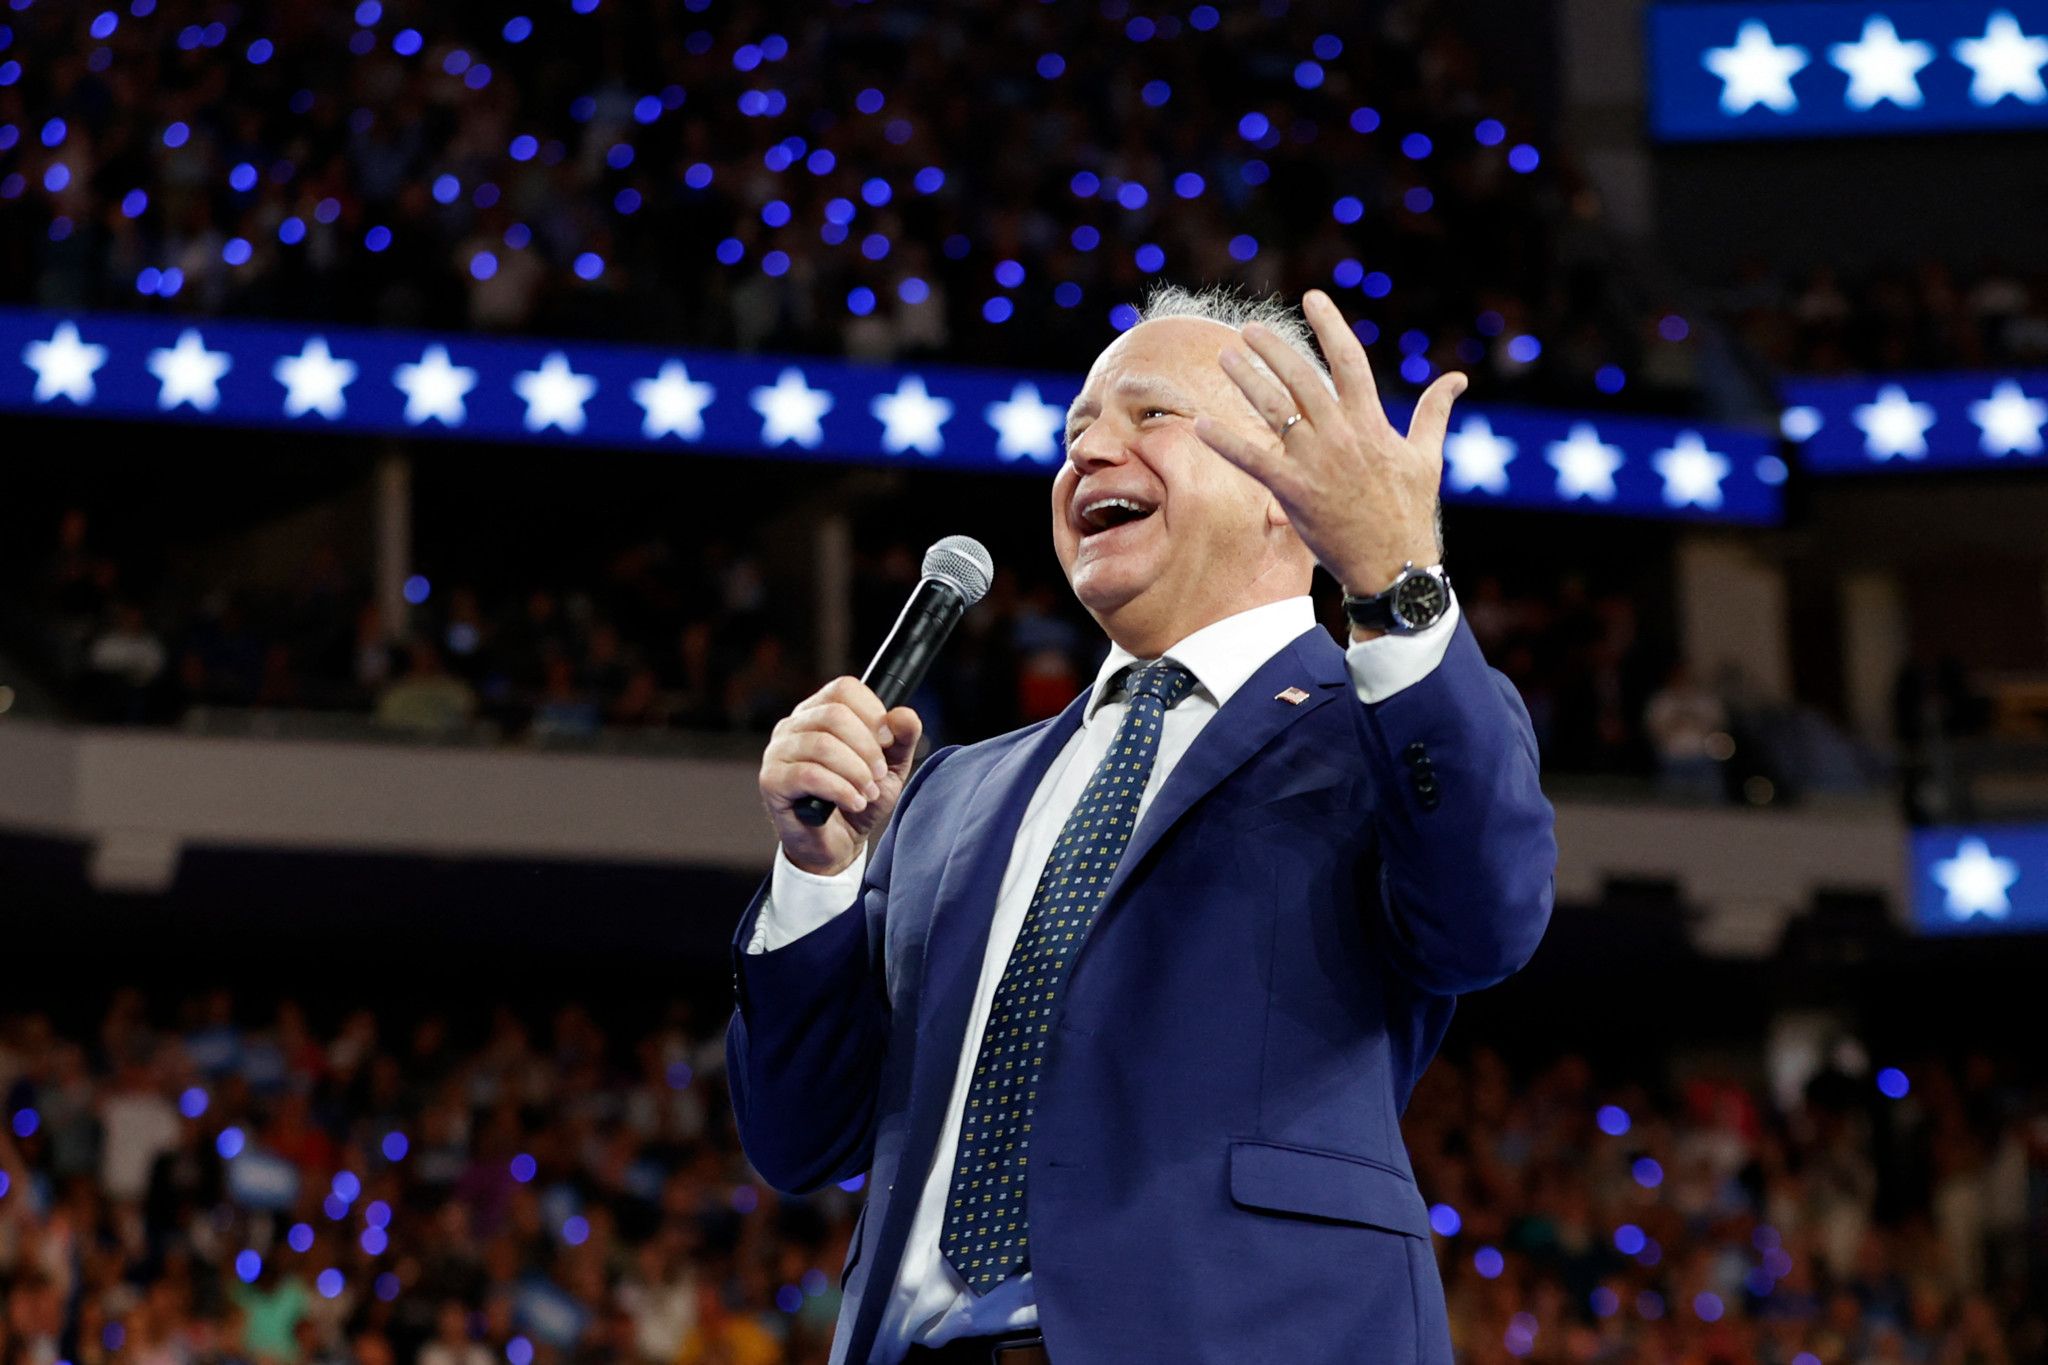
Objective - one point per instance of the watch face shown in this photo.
(1420, 599)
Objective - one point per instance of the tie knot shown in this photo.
(1165, 680)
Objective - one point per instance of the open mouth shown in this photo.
(1108, 514)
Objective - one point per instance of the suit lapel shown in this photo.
(1252, 718)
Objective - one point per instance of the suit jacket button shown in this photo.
(1415, 750)
(1426, 786)
(1430, 801)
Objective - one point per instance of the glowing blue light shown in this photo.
(523, 147)
(56, 177)
(517, 236)
(374, 1240)
(1067, 294)
(236, 251)
(1155, 94)
(868, 101)
(1524, 349)
(1771, 470)
(26, 1121)
(1416, 146)
(9, 135)
(330, 1284)
(1308, 75)
(929, 180)
(875, 191)
(1085, 184)
(777, 158)
(1491, 132)
(860, 301)
(230, 1142)
(10, 72)
(300, 1238)
(1243, 247)
(1416, 369)
(1606, 1303)
(627, 200)
(1150, 258)
(1085, 238)
(1328, 47)
(1051, 66)
(523, 1168)
(1524, 159)
(1489, 1263)
(192, 1102)
(377, 1214)
(1365, 119)
(1140, 29)
(588, 266)
(1707, 1307)
(456, 62)
(775, 213)
(1009, 274)
(1377, 284)
(746, 57)
(248, 1265)
(698, 176)
(789, 1298)
(190, 37)
(1629, 1239)
(1444, 1220)
(1254, 172)
(1892, 1083)
(1189, 185)
(1253, 126)
(1647, 1172)
(335, 1207)
(147, 280)
(576, 1230)
(174, 280)
(104, 24)
(1349, 209)
(1673, 327)
(387, 1287)
(519, 1351)
(4, 1183)
(369, 12)
(1418, 199)
(407, 42)
(260, 51)
(1490, 323)
(53, 132)
(1610, 379)
(1612, 1119)
(1806, 1358)
(619, 156)
(417, 590)
(1123, 317)
(913, 290)
(377, 238)
(518, 29)
(584, 108)
(1202, 18)
(242, 178)
(775, 263)
(134, 203)
(730, 251)
(583, 6)
(60, 227)
(874, 246)
(997, 309)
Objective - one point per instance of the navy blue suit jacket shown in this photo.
(1217, 1166)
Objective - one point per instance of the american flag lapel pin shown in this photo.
(1293, 696)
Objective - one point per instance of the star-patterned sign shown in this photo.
(2011, 420)
(1980, 879)
(1893, 424)
(520, 389)
(1976, 882)
(1930, 421)
(1744, 70)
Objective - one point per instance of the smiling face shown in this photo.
(1160, 535)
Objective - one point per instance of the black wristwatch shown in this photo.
(1415, 601)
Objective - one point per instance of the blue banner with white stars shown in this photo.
(1980, 879)
(492, 388)
(1804, 70)
(1919, 421)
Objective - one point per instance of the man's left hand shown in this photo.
(1362, 496)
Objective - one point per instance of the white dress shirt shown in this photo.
(929, 1304)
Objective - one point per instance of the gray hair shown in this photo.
(1223, 303)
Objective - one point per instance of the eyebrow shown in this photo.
(1134, 386)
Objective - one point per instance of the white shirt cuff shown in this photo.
(1382, 666)
(800, 901)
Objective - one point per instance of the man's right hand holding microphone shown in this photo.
(841, 744)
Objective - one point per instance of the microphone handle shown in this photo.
(928, 618)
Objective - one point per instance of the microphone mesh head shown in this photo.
(964, 562)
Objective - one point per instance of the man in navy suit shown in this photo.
(1121, 1015)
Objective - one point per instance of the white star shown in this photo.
(911, 418)
(2007, 62)
(1585, 465)
(1756, 70)
(1479, 459)
(64, 364)
(2011, 421)
(1895, 425)
(188, 372)
(674, 402)
(791, 410)
(434, 388)
(1976, 882)
(554, 394)
(1881, 67)
(313, 380)
(1692, 473)
(1026, 426)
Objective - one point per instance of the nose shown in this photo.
(1098, 447)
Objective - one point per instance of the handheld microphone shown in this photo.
(957, 572)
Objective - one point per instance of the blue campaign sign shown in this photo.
(1981, 879)
(1726, 71)
(417, 384)
(1919, 421)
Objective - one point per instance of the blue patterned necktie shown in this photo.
(984, 1238)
